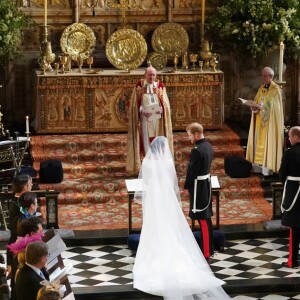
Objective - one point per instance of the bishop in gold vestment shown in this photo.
(266, 134)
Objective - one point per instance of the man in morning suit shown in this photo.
(199, 186)
(289, 173)
(29, 226)
(33, 272)
(21, 184)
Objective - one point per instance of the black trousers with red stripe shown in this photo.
(207, 237)
(293, 247)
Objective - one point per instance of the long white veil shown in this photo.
(158, 165)
(168, 261)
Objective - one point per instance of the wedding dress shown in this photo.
(168, 261)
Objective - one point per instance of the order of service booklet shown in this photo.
(153, 108)
(250, 103)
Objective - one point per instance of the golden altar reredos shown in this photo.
(83, 102)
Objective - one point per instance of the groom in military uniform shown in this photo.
(199, 186)
(290, 174)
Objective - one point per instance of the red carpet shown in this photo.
(93, 193)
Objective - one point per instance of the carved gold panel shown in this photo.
(99, 102)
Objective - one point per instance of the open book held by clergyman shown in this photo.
(250, 103)
(153, 108)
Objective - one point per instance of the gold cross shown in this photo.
(123, 5)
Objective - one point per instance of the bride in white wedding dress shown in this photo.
(168, 261)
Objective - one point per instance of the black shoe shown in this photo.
(210, 260)
(285, 265)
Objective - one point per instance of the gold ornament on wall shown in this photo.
(123, 5)
(78, 40)
(126, 49)
(170, 38)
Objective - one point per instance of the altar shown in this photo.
(98, 101)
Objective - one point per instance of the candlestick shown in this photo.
(280, 66)
(76, 11)
(170, 11)
(27, 124)
(45, 12)
(203, 17)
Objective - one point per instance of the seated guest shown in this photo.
(33, 272)
(30, 226)
(30, 230)
(28, 205)
(50, 292)
(21, 184)
(4, 289)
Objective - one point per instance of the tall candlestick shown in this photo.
(170, 10)
(27, 124)
(280, 66)
(45, 12)
(203, 16)
(76, 11)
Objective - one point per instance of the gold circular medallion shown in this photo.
(126, 49)
(158, 60)
(170, 38)
(78, 40)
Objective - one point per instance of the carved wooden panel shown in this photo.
(99, 103)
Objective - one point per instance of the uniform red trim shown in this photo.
(205, 238)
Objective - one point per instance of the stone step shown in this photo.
(85, 167)
(117, 169)
(96, 190)
(110, 155)
(94, 164)
(241, 193)
(118, 141)
(103, 158)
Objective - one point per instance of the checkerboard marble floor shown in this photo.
(242, 260)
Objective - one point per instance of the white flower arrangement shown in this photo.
(255, 26)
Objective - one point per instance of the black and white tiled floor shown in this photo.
(242, 260)
(269, 297)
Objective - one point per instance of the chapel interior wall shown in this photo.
(241, 77)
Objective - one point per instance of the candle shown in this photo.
(45, 12)
(76, 11)
(203, 16)
(280, 66)
(27, 124)
(169, 10)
